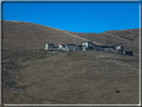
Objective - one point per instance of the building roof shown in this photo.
(71, 44)
(104, 46)
(79, 45)
(62, 44)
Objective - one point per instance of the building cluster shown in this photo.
(88, 45)
(124, 52)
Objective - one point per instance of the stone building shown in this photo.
(49, 46)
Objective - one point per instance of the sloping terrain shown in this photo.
(29, 36)
(129, 39)
(80, 77)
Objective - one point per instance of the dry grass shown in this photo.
(29, 36)
(129, 39)
(82, 77)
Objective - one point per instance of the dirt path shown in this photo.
(79, 37)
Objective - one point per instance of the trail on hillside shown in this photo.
(80, 37)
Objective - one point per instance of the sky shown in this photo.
(75, 17)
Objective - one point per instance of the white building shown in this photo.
(49, 46)
(79, 47)
(61, 46)
(70, 46)
(87, 44)
(119, 47)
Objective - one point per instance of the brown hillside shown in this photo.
(82, 77)
(129, 39)
(29, 36)
(79, 77)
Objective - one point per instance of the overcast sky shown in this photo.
(76, 17)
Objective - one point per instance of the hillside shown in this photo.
(80, 77)
(129, 39)
(29, 36)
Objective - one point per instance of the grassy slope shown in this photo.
(29, 36)
(80, 77)
(129, 39)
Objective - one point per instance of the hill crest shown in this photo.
(29, 36)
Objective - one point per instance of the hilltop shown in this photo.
(80, 77)
(129, 39)
(30, 36)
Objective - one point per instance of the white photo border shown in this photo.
(100, 1)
